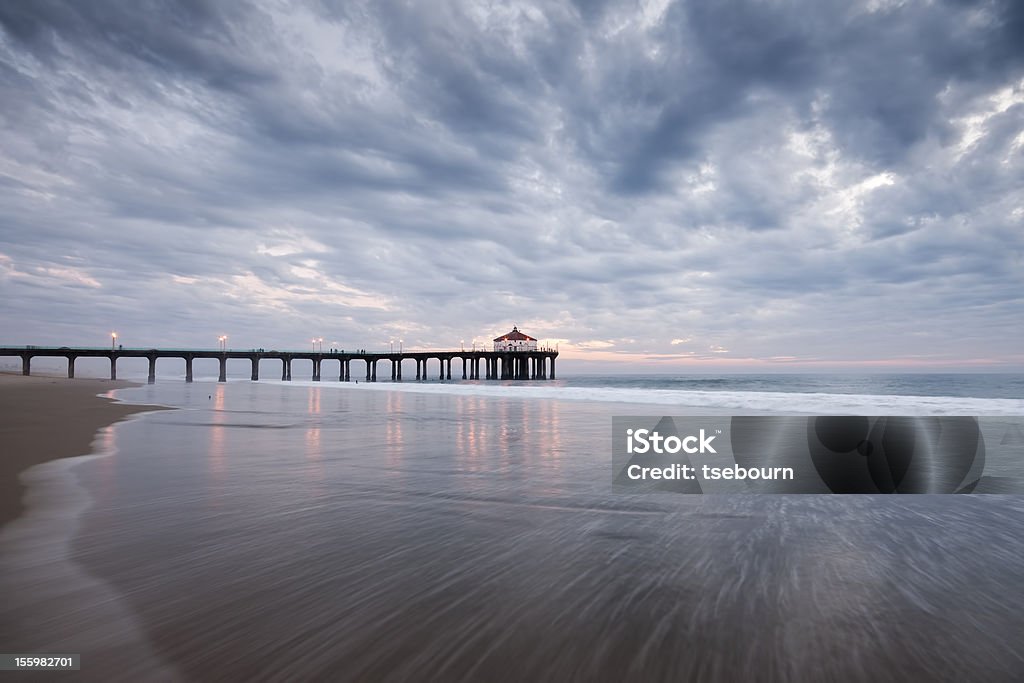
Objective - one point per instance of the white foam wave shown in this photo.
(725, 401)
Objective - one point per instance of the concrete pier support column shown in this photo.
(316, 369)
(449, 373)
(373, 377)
(255, 376)
(152, 370)
(463, 367)
(341, 370)
(71, 367)
(367, 369)
(394, 370)
(417, 368)
(26, 365)
(399, 363)
(223, 377)
(543, 368)
(188, 369)
(348, 370)
(441, 373)
(284, 369)
(552, 367)
(113, 367)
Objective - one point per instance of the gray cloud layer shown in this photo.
(791, 182)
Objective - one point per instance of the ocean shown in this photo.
(469, 531)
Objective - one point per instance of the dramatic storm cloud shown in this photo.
(734, 183)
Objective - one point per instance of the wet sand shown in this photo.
(265, 532)
(45, 418)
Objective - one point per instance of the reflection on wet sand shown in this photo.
(314, 449)
(216, 456)
(393, 441)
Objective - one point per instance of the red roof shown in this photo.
(515, 335)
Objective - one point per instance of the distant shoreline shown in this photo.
(45, 418)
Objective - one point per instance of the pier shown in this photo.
(531, 364)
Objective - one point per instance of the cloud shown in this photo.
(805, 182)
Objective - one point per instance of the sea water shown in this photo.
(468, 531)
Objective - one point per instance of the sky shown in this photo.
(657, 186)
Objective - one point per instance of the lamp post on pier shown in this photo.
(113, 340)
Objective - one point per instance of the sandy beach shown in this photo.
(44, 418)
(275, 531)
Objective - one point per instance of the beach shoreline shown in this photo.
(45, 418)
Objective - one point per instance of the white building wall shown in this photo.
(515, 345)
